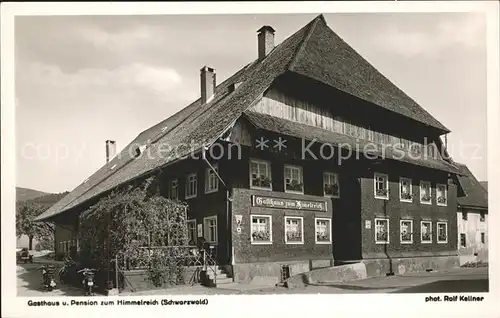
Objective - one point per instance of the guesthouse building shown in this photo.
(306, 157)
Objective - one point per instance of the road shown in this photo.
(458, 280)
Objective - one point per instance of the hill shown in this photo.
(25, 194)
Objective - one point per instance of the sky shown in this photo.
(81, 80)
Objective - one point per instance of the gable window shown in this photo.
(261, 229)
(381, 231)
(192, 233)
(381, 186)
(463, 240)
(406, 231)
(211, 180)
(425, 192)
(426, 232)
(442, 232)
(442, 194)
(482, 217)
(293, 179)
(191, 186)
(323, 231)
(405, 190)
(294, 230)
(331, 184)
(483, 238)
(210, 229)
(260, 174)
(172, 190)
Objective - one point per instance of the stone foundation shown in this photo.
(380, 267)
(270, 272)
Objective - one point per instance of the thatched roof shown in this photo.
(476, 195)
(314, 51)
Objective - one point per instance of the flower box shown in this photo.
(425, 198)
(382, 236)
(442, 237)
(332, 189)
(406, 237)
(322, 237)
(263, 182)
(441, 200)
(406, 196)
(294, 237)
(382, 192)
(294, 186)
(261, 236)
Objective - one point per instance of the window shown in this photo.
(192, 233)
(483, 238)
(405, 190)
(464, 215)
(172, 191)
(261, 229)
(482, 217)
(442, 232)
(210, 228)
(294, 230)
(293, 179)
(441, 194)
(331, 184)
(211, 180)
(381, 231)
(260, 174)
(406, 231)
(425, 192)
(381, 186)
(426, 232)
(323, 230)
(191, 186)
(463, 241)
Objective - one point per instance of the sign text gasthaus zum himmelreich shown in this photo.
(279, 203)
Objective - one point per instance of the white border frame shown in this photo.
(187, 185)
(411, 190)
(437, 232)
(301, 229)
(401, 233)
(378, 174)
(301, 171)
(205, 228)
(421, 240)
(269, 172)
(388, 231)
(338, 183)
(420, 192)
(445, 194)
(207, 183)
(270, 217)
(316, 230)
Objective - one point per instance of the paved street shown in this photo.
(455, 280)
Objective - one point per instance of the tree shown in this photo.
(25, 214)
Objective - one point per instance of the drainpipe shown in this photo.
(229, 200)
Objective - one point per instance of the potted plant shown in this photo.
(441, 199)
(406, 236)
(426, 198)
(406, 196)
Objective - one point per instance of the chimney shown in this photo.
(110, 149)
(208, 83)
(265, 40)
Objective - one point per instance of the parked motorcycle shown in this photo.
(67, 272)
(48, 280)
(88, 280)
